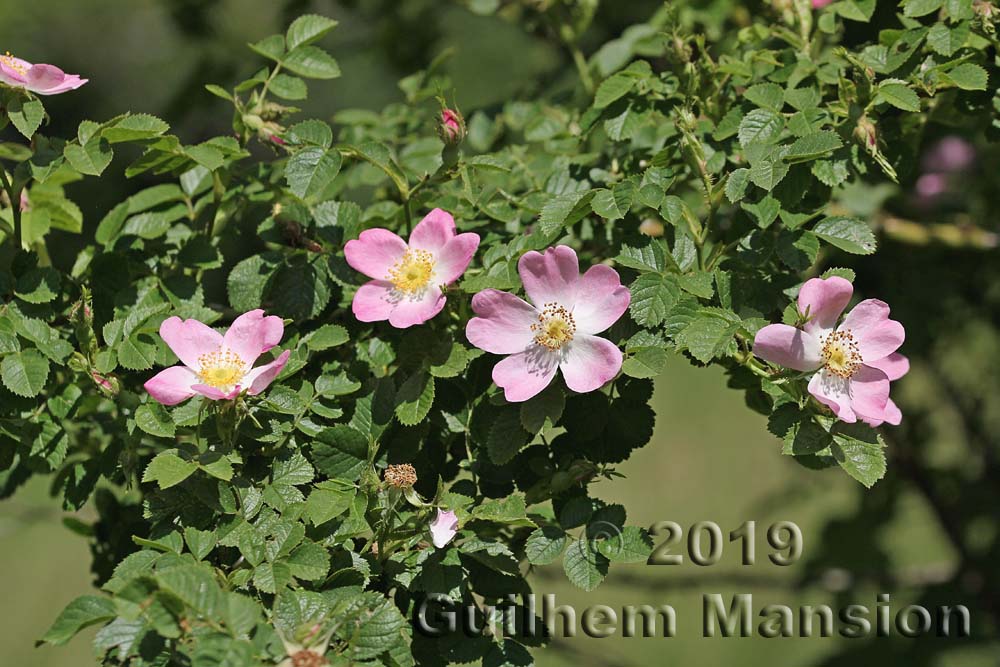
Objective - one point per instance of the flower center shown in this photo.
(413, 271)
(555, 327)
(221, 369)
(9, 61)
(840, 354)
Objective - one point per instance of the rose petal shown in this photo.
(503, 325)
(10, 70)
(894, 366)
(588, 362)
(374, 301)
(433, 232)
(172, 385)
(869, 393)
(417, 310)
(453, 259)
(787, 346)
(443, 528)
(44, 77)
(71, 82)
(260, 377)
(550, 278)
(834, 392)
(824, 299)
(876, 335)
(251, 334)
(525, 374)
(374, 252)
(600, 299)
(189, 339)
(216, 394)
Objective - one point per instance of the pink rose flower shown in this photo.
(854, 361)
(443, 528)
(556, 330)
(408, 277)
(218, 366)
(41, 79)
(949, 155)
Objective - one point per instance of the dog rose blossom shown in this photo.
(557, 330)
(443, 528)
(40, 79)
(408, 276)
(854, 361)
(218, 366)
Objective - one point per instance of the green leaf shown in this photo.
(768, 171)
(899, 95)
(564, 210)
(510, 510)
(135, 128)
(767, 95)
(507, 436)
(614, 204)
(760, 126)
(650, 257)
(968, 76)
(92, 158)
(289, 87)
(200, 542)
(915, 8)
(309, 562)
(547, 405)
(856, 10)
(946, 40)
(25, 372)
(545, 545)
(813, 145)
(709, 333)
(26, 115)
(584, 567)
(247, 282)
(860, 452)
(653, 295)
(292, 469)
(39, 285)
(272, 47)
(82, 612)
(154, 419)
(646, 362)
(310, 171)
(736, 185)
(307, 29)
(327, 336)
(414, 399)
(137, 352)
(849, 234)
(311, 62)
(168, 469)
(340, 452)
(328, 501)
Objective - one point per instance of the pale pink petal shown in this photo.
(71, 82)
(433, 232)
(876, 335)
(503, 325)
(588, 362)
(417, 310)
(869, 393)
(524, 374)
(600, 299)
(374, 252)
(217, 394)
(443, 528)
(251, 334)
(834, 392)
(10, 70)
(259, 378)
(894, 366)
(44, 77)
(453, 259)
(892, 414)
(374, 301)
(551, 277)
(189, 339)
(824, 299)
(172, 385)
(789, 347)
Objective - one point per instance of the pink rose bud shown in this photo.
(452, 127)
(40, 79)
(107, 385)
(25, 202)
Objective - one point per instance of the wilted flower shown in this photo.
(854, 361)
(401, 475)
(557, 331)
(41, 79)
(218, 366)
(443, 528)
(408, 277)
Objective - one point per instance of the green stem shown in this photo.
(581, 67)
(15, 205)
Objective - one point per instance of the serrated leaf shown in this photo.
(545, 545)
(760, 126)
(311, 62)
(708, 335)
(813, 145)
(137, 352)
(849, 234)
(307, 29)
(310, 171)
(26, 115)
(135, 128)
(564, 210)
(630, 544)
(650, 257)
(584, 567)
(340, 451)
(414, 399)
(946, 40)
(968, 76)
(614, 204)
(548, 404)
(653, 295)
(900, 96)
(82, 612)
(91, 158)
(767, 95)
(168, 469)
(507, 436)
(860, 452)
(154, 419)
(646, 362)
(25, 372)
(327, 336)
(736, 184)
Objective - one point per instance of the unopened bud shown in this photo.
(107, 384)
(866, 133)
(451, 128)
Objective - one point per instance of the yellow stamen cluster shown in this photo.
(413, 271)
(555, 327)
(401, 476)
(221, 369)
(9, 61)
(841, 355)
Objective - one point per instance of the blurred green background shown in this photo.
(927, 533)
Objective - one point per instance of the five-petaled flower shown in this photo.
(218, 366)
(41, 79)
(854, 362)
(556, 330)
(443, 528)
(408, 277)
